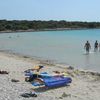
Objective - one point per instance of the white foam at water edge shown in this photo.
(91, 52)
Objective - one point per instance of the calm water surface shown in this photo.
(61, 46)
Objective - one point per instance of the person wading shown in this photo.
(87, 47)
(96, 46)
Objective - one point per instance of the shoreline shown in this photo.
(41, 60)
(29, 58)
(39, 30)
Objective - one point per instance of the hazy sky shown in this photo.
(70, 10)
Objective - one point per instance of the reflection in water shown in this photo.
(87, 61)
(91, 61)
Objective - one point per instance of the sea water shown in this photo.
(65, 46)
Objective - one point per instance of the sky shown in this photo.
(69, 10)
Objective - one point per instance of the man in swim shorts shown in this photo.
(87, 47)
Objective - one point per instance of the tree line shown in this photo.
(14, 25)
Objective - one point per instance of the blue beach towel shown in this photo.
(57, 81)
(54, 81)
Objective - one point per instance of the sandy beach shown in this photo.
(85, 84)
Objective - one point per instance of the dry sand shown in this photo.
(84, 86)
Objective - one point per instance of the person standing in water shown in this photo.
(87, 47)
(96, 46)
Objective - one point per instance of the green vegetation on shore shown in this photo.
(17, 25)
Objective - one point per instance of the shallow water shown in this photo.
(62, 46)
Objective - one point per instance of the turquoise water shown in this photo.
(62, 46)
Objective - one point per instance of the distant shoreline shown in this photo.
(56, 29)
